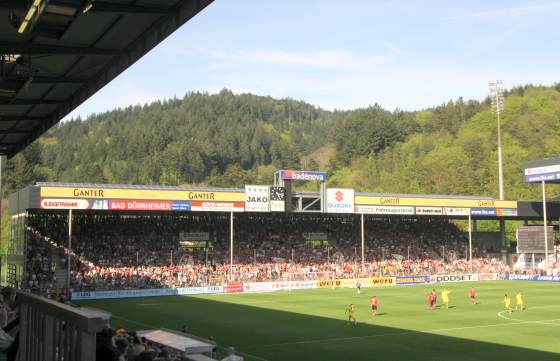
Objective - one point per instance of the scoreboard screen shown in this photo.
(530, 239)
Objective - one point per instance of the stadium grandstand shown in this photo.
(72, 243)
(139, 237)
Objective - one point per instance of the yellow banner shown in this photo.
(351, 282)
(436, 202)
(113, 193)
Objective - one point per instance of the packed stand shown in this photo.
(135, 252)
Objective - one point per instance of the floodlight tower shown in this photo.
(497, 99)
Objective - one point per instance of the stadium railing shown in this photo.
(52, 331)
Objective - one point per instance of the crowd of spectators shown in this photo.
(134, 252)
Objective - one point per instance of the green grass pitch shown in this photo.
(311, 325)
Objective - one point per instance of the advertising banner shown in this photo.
(303, 285)
(454, 278)
(218, 206)
(257, 287)
(97, 295)
(235, 287)
(483, 211)
(384, 210)
(340, 200)
(412, 280)
(328, 283)
(277, 199)
(425, 201)
(533, 278)
(54, 203)
(456, 211)
(139, 205)
(102, 204)
(429, 211)
(303, 175)
(465, 277)
(351, 282)
(488, 276)
(139, 193)
(257, 198)
(180, 206)
(506, 212)
(543, 173)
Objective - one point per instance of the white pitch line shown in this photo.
(385, 334)
(544, 322)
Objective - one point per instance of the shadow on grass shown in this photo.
(266, 334)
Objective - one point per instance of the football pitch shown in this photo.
(311, 324)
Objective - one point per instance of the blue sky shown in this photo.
(347, 54)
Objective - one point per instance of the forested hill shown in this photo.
(231, 140)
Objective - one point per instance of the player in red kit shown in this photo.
(433, 299)
(472, 295)
(374, 304)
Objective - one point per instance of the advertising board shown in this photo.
(351, 282)
(453, 278)
(340, 200)
(234, 287)
(142, 194)
(426, 201)
(277, 199)
(533, 278)
(465, 277)
(383, 210)
(303, 175)
(412, 280)
(483, 211)
(257, 198)
(139, 205)
(217, 206)
(429, 211)
(543, 173)
(180, 206)
(97, 295)
(55, 203)
(456, 211)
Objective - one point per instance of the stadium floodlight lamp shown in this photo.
(497, 100)
(31, 16)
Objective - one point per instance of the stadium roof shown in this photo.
(138, 187)
(216, 189)
(55, 54)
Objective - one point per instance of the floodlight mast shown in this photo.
(497, 99)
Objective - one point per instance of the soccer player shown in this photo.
(472, 295)
(350, 312)
(519, 301)
(374, 304)
(507, 303)
(445, 297)
(434, 299)
(431, 301)
(359, 287)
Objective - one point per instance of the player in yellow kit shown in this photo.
(519, 302)
(507, 303)
(445, 297)
(350, 313)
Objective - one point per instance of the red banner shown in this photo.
(234, 287)
(135, 205)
